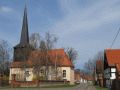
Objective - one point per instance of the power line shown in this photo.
(115, 38)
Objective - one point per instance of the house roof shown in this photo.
(112, 56)
(57, 56)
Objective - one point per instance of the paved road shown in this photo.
(78, 87)
(84, 87)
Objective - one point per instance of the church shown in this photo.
(26, 59)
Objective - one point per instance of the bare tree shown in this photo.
(52, 59)
(4, 57)
(43, 46)
(49, 43)
(50, 40)
(57, 60)
(35, 40)
(44, 57)
(72, 54)
(90, 65)
(46, 45)
(38, 63)
(99, 56)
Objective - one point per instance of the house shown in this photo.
(82, 78)
(116, 82)
(100, 72)
(90, 79)
(111, 65)
(27, 60)
(77, 76)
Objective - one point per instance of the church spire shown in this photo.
(23, 49)
(24, 34)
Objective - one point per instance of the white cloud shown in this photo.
(6, 9)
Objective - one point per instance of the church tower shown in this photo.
(23, 49)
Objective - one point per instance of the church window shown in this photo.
(64, 73)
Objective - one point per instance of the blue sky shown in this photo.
(89, 26)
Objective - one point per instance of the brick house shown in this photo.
(82, 78)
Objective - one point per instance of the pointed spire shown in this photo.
(24, 34)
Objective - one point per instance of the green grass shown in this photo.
(99, 88)
(49, 86)
(58, 86)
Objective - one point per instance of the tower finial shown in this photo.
(24, 34)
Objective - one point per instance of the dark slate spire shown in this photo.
(24, 34)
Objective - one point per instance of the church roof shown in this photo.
(58, 57)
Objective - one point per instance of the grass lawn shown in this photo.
(58, 86)
(36, 88)
(98, 88)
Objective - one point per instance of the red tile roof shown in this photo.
(113, 56)
(21, 64)
(57, 56)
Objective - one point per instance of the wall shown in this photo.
(72, 81)
(19, 72)
(110, 75)
(69, 74)
(113, 73)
